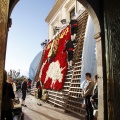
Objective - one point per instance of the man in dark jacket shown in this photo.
(39, 88)
(70, 49)
(94, 98)
(24, 89)
(74, 26)
(7, 96)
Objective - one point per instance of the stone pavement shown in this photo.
(44, 112)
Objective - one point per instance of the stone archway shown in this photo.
(6, 7)
(95, 17)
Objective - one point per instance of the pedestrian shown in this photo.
(94, 98)
(70, 49)
(87, 93)
(14, 87)
(24, 89)
(9, 80)
(7, 96)
(74, 27)
(39, 90)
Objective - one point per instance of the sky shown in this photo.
(26, 34)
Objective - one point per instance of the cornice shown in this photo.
(57, 18)
(54, 10)
(12, 5)
(69, 4)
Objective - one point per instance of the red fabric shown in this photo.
(70, 49)
(75, 24)
(28, 83)
(59, 56)
(39, 87)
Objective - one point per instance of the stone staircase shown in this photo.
(70, 96)
(33, 89)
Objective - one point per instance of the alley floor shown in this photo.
(44, 112)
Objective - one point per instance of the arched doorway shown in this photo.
(95, 9)
(6, 7)
(99, 49)
(98, 26)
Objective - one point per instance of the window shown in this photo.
(54, 30)
(72, 13)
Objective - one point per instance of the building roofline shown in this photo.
(54, 10)
(12, 5)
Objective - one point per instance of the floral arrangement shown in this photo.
(54, 64)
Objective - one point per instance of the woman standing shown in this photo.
(24, 89)
(39, 88)
(7, 96)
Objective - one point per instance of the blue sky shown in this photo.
(28, 30)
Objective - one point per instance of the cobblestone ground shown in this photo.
(44, 112)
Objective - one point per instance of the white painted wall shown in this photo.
(62, 13)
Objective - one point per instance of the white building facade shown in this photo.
(67, 9)
(62, 9)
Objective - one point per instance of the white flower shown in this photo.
(42, 68)
(54, 72)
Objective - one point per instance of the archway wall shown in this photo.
(93, 9)
(4, 8)
(112, 33)
(106, 20)
(96, 12)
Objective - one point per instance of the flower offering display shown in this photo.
(54, 64)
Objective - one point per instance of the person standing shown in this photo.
(7, 96)
(12, 83)
(87, 93)
(14, 87)
(94, 98)
(70, 50)
(24, 89)
(74, 26)
(39, 88)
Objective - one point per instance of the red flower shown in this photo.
(59, 56)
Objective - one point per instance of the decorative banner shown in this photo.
(53, 70)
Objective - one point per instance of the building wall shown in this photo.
(62, 12)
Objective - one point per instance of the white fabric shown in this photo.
(72, 37)
(83, 84)
(14, 87)
(34, 65)
(23, 102)
(89, 51)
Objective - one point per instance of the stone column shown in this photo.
(100, 74)
(4, 6)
